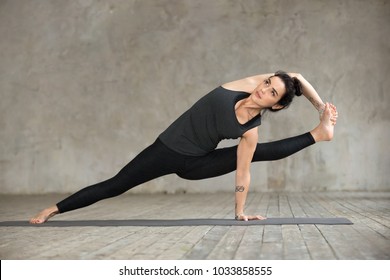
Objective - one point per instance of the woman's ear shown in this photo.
(277, 107)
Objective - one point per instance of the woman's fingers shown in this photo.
(333, 109)
(258, 217)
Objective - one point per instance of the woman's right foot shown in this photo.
(325, 130)
(44, 215)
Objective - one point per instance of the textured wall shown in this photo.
(85, 85)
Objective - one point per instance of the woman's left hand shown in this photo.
(243, 217)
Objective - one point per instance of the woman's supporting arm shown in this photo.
(245, 151)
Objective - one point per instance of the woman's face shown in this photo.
(268, 93)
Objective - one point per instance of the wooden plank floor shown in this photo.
(367, 238)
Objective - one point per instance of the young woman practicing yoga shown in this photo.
(188, 146)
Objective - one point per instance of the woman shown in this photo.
(188, 146)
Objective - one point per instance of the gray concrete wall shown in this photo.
(85, 85)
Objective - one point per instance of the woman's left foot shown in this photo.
(44, 215)
(325, 130)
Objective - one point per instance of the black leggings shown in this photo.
(158, 160)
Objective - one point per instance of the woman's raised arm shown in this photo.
(310, 93)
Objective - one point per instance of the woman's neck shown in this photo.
(246, 111)
(251, 107)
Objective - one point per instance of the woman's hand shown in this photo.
(243, 217)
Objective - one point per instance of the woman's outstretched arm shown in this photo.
(248, 84)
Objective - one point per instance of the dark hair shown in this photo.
(293, 88)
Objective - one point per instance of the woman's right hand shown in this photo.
(243, 217)
(333, 112)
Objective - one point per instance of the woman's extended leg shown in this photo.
(223, 161)
(153, 162)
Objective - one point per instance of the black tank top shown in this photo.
(210, 120)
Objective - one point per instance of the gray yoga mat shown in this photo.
(182, 222)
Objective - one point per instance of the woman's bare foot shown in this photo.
(44, 215)
(334, 113)
(324, 131)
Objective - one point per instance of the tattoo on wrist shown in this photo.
(237, 217)
(240, 188)
(320, 107)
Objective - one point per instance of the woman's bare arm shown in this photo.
(247, 84)
(245, 151)
(310, 93)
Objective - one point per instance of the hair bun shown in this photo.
(298, 86)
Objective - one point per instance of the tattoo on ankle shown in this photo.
(240, 188)
(237, 217)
